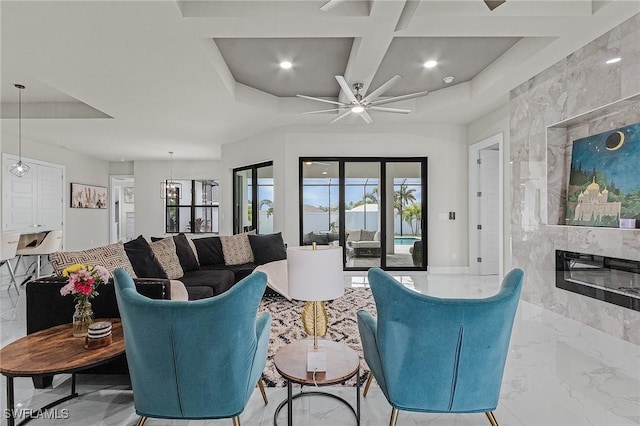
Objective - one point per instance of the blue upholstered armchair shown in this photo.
(198, 359)
(438, 355)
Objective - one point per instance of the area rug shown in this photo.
(286, 327)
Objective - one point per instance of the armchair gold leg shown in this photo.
(394, 417)
(141, 421)
(366, 385)
(492, 418)
(264, 394)
(236, 421)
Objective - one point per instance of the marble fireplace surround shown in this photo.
(578, 96)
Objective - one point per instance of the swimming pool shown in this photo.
(405, 241)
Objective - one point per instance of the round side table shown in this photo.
(342, 364)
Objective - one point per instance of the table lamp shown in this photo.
(315, 275)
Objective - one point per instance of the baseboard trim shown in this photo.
(448, 269)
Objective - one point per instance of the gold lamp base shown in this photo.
(321, 319)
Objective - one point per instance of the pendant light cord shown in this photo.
(19, 123)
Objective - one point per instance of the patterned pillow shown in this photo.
(237, 249)
(165, 251)
(111, 257)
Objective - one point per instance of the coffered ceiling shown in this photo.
(136, 79)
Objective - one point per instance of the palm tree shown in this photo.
(371, 197)
(401, 198)
(411, 214)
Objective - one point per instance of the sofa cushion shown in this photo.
(354, 235)
(218, 280)
(111, 257)
(165, 251)
(267, 248)
(209, 251)
(143, 260)
(237, 249)
(187, 259)
(367, 235)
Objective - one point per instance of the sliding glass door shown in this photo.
(373, 207)
(253, 198)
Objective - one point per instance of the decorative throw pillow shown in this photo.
(194, 250)
(144, 261)
(187, 259)
(237, 249)
(110, 257)
(367, 235)
(354, 235)
(267, 248)
(165, 251)
(209, 251)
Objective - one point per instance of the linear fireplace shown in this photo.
(609, 279)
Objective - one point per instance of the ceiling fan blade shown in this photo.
(492, 4)
(323, 110)
(346, 89)
(330, 5)
(399, 98)
(380, 90)
(341, 116)
(396, 110)
(366, 117)
(320, 100)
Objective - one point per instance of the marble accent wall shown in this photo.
(573, 87)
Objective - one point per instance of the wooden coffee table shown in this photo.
(342, 364)
(53, 351)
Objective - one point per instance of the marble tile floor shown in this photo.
(559, 372)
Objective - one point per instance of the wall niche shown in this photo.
(560, 137)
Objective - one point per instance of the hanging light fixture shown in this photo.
(171, 189)
(19, 169)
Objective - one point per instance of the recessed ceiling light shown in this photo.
(285, 65)
(357, 109)
(324, 172)
(613, 60)
(448, 79)
(430, 64)
(308, 163)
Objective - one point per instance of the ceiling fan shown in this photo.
(358, 103)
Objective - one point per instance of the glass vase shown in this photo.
(82, 318)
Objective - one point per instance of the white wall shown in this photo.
(445, 146)
(83, 228)
(148, 175)
(497, 121)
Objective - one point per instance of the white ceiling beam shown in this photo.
(368, 50)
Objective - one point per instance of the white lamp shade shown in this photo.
(315, 275)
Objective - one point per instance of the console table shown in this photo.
(53, 351)
(342, 364)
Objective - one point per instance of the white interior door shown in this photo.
(489, 235)
(34, 202)
(50, 197)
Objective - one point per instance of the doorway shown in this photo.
(122, 209)
(371, 206)
(486, 204)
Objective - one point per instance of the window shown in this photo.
(253, 192)
(192, 207)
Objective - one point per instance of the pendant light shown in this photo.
(19, 169)
(171, 189)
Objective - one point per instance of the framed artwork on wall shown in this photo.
(604, 180)
(128, 194)
(88, 196)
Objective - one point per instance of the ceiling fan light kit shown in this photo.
(359, 104)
